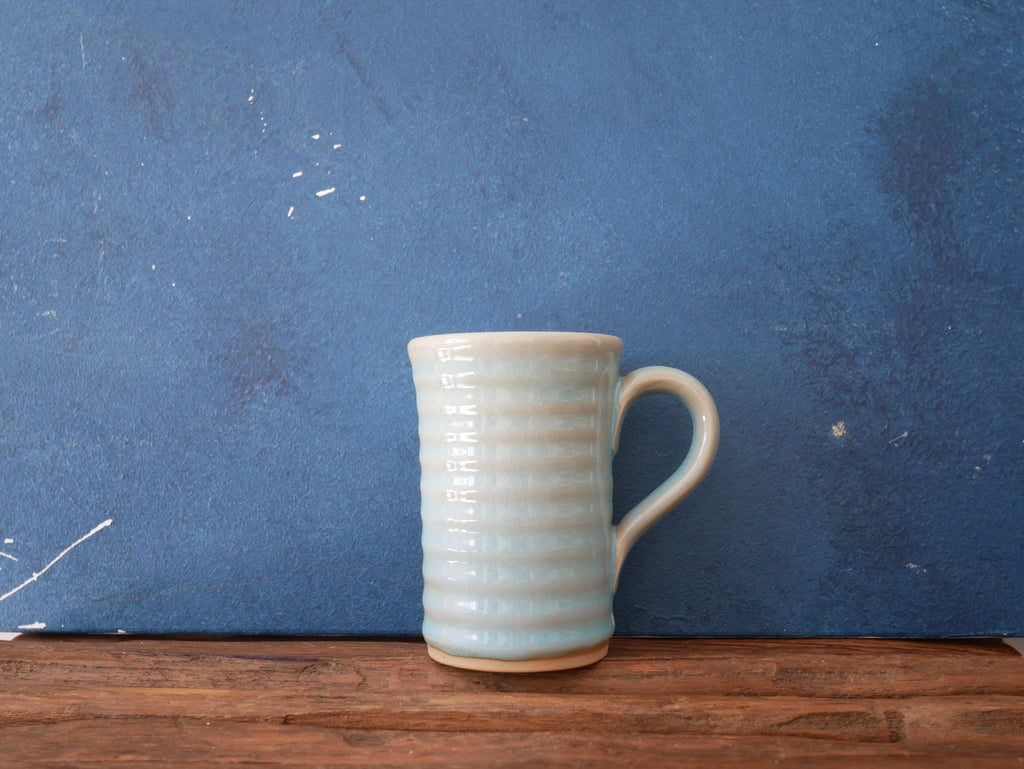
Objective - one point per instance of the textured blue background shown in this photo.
(814, 208)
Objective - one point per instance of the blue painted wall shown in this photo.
(220, 223)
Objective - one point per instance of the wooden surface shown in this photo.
(126, 701)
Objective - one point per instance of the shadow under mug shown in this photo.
(517, 434)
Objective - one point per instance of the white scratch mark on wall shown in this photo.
(895, 441)
(291, 210)
(50, 565)
(81, 46)
(8, 555)
(33, 626)
(328, 191)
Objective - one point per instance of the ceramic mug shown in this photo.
(517, 433)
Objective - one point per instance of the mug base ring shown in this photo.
(542, 665)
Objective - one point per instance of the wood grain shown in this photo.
(131, 701)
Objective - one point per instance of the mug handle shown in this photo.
(662, 379)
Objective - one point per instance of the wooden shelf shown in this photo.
(80, 701)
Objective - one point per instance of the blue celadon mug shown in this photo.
(517, 434)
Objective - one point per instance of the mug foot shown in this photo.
(544, 665)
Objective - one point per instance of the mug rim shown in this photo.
(516, 336)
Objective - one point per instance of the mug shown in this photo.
(517, 434)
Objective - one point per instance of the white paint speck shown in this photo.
(33, 626)
(839, 430)
(895, 441)
(8, 541)
(328, 191)
(316, 137)
(291, 210)
(362, 198)
(337, 146)
(297, 174)
(153, 267)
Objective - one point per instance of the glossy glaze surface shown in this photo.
(516, 491)
(517, 432)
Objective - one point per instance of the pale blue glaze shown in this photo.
(516, 493)
(516, 442)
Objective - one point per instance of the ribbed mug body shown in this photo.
(515, 455)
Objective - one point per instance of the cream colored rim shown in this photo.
(515, 337)
(545, 665)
